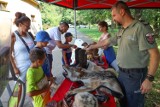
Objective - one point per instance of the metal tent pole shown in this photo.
(75, 6)
(75, 23)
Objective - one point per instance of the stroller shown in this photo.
(102, 84)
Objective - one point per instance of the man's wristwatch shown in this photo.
(150, 77)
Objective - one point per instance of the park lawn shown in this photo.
(94, 34)
(152, 98)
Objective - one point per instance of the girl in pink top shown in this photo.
(108, 51)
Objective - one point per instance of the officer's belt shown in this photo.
(128, 70)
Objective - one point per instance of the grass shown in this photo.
(153, 97)
(94, 33)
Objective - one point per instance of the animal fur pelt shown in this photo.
(85, 99)
(93, 76)
(103, 80)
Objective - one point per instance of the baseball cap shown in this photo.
(68, 34)
(42, 36)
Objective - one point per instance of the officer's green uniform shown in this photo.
(132, 59)
(133, 45)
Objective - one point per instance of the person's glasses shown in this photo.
(27, 26)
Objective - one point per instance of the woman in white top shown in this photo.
(108, 51)
(19, 52)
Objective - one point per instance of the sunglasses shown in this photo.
(27, 26)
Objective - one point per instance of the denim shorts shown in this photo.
(130, 81)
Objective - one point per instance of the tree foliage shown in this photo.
(50, 17)
(151, 16)
(91, 16)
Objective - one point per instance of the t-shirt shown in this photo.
(21, 54)
(103, 37)
(55, 35)
(34, 75)
(133, 44)
(67, 50)
(68, 54)
(106, 36)
(108, 51)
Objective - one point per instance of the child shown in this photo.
(42, 39)
(85, 44)
(67, 53)
(108, 51)
(37, 57)
(93, 56)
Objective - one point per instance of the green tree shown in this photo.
(153, 17)
(91, 17)
(67, 15)
(50, 16)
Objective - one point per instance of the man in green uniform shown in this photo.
(137, 48)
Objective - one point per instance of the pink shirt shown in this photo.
(103, 37)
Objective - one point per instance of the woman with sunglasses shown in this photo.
(21, 43)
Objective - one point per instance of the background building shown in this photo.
(30, 7)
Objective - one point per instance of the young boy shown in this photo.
(34, 75)
(67, 53)
(42, 39)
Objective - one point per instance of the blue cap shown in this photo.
(42, 36)
(68, 34)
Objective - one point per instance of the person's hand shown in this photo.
(67, 65)
(51, 79)
(146, 86)
(88, 48)
(74, 46)
(46, 88)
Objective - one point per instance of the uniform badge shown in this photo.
(150, 38)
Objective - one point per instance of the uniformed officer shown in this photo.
(137, 48)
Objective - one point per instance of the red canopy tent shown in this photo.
(101, 4)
